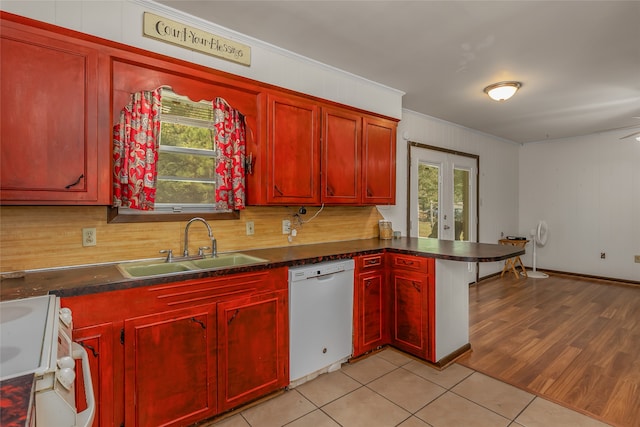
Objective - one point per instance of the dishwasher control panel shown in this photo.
(320, 269)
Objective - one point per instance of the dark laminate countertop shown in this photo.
(83, 280)
(16, 401)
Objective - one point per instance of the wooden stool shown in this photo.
(511, 264)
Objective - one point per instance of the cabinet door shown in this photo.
(253, 350)
(52, 151)
(98, 342)
(370, 304)
(170, 363)
(379, 161)
(409, 316)
(369, 328)
(341, 143)
(293, 151)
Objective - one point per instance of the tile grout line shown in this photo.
(481, 405)
(411, 413)
(525, 408)
(316, 407)
(446, 390)
(484, 407)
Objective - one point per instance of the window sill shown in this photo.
(115, 217)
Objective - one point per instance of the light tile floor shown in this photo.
(392, 389)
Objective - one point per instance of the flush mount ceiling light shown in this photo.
(502, 91)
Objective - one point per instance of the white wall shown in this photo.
(498, 175)
(121, 21)
(588, 191)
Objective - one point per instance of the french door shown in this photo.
(443, 194)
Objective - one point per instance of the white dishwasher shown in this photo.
(320, 318)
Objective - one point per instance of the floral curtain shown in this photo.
(231, 144)
(135, 152)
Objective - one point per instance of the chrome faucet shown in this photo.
(214, 247)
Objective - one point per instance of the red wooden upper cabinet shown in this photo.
(378, 161)
(293, 151)
(341, 148)
(349, 160)
(52, 150)
(358, 158)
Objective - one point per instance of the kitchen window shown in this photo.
(187, 155)
(187, 160)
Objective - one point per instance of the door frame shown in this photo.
(411, 144)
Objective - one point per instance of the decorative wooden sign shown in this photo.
(166, 30)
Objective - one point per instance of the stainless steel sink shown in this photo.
(157, 267)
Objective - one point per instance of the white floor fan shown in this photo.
(539, 235)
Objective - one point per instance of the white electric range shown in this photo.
(35, 338)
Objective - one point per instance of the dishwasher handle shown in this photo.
(324, 277)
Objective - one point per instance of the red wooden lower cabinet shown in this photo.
(395, 304)
(177, 353)
(98, 342)
(370, 308)
(409, 315)
(170, 367)
(253, 351)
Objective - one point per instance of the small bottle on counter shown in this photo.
(386, 230)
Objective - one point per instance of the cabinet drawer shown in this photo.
(200, 291)
(369, 262)
(408, 262)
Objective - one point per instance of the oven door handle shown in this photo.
(85, 418)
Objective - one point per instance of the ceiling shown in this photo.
(578, 61)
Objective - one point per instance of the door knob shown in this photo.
(446, 227)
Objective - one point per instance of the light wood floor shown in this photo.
(571, 340)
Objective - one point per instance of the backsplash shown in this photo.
(34, 237)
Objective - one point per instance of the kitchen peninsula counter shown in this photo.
(82, 280)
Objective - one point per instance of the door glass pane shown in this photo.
(461, 204)
(428, 191)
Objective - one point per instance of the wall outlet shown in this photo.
(603, 255)
(637, 258)
(286, 226)
(250, 229)
(88, 237)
